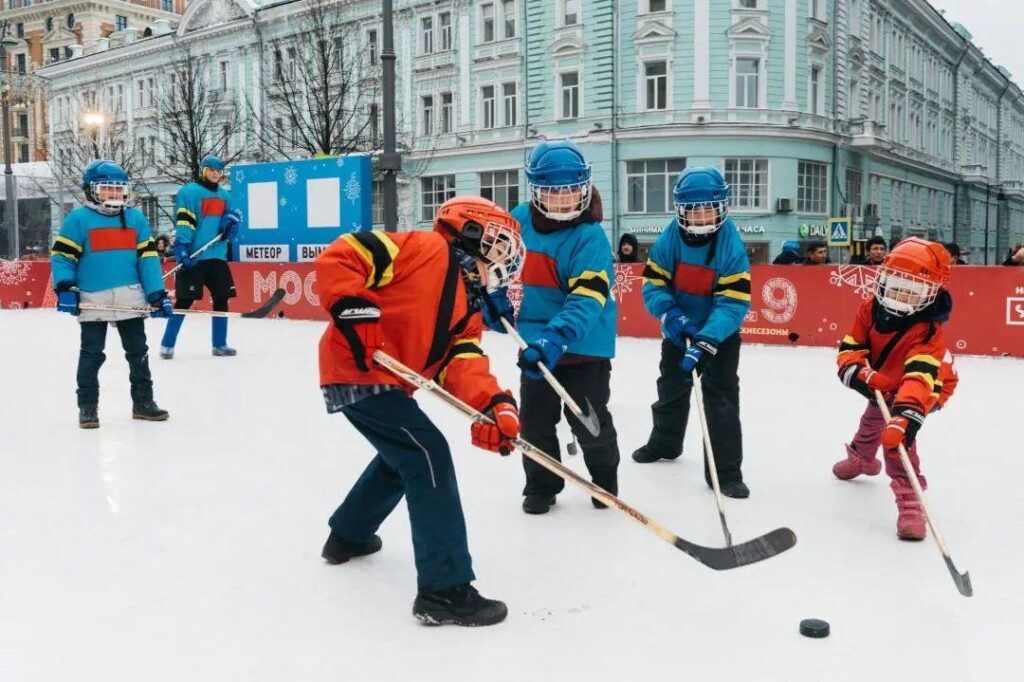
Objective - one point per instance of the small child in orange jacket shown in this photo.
(897, 346)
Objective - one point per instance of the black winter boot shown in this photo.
(647, 454)
(337, 550)
(459, 605)
(149, 411)
(538, 504)
(87, 417)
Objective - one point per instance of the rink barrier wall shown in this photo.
(791, 305)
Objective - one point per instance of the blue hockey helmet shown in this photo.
(107, 185)
(559, 180)
(214, 163)
(791, 245)
(698, 189)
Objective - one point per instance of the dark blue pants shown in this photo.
(91, 358)
(413, 460)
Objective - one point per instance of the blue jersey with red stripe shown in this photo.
(97, 252)
(567, 281)
(197, 212)
(709, 283)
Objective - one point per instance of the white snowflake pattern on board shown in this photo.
(291, 175)
(861, 277)
(352, 189)
(624, 281)
(283, 201)
(238, 175)
(13, 272)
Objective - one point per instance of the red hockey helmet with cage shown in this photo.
(912, 275)
(486, 231)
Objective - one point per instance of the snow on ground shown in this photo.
(189, 550)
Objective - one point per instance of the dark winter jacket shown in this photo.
(631, 257)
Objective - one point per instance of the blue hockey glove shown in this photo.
(182, 255)
(229, 223)
(163, 306)
(695, 355)
(677, 327)
(497, 306)
(67, 300)
(546, 350)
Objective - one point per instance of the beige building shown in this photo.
(52, 31)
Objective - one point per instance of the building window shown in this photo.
(570, 12)
(748, 4)
(67, 53)
(71, 21)
(444, 21)
(818, 9)
(428, 115)
(501, 187)
(223, 75)
(427, 35)
(649, 184)
(510, 101)
(569, 87)
(21, 63)
(20, 30)
(656, 82)
(749, 181)
(23, 153)
(487, 105)
(817, 94)
(812, 187)
(747, 76)
(377, 203)
(54, 54)
(447, 112)
(435, 191)
(487, 19)
(656, 5)
(508, 15)
(21, 126)
(853, 194)
(371, 52)
(120, 22)
(167, 5)
(149, 92)
(49, 24)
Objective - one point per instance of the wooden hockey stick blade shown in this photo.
(589, 420)
(750, 552)
(265, 309)
(962, 580)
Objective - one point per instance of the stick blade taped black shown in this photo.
(750, 552)
(265, 309)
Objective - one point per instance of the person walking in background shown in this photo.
(817, 254)
(629, 249)
(874, 251)
(162, 246)
(954, 252)
(790, 254)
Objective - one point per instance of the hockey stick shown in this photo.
(588, 419)
(719, 559)
(962, 580)
(202, 248)
(709, 455)
(257, 313)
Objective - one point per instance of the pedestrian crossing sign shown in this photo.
(839, 232)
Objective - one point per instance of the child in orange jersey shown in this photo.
(897, 346)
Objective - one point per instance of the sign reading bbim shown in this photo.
(294, 209)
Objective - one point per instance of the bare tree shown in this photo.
(321, 97)
(195, 118)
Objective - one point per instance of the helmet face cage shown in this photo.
(682, 215)
(505, 253)
(563, 202)
(122, 190)
(902, 293)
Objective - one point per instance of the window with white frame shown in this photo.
(371, 51)
(501, 187)
(569, 91)
(747, 4)
(818, 9)
(487, 106)
(649, 184)
(656, 85)
(748, 70)
(427, 119)
(508, 18)
(570, 14)
(656, 5)
(816, 92)
(435, 191)
(487, 22)
(447, 112)
(812, 187)
(897, 201)
(120, 22)
(223, 72)
(427, 35)
(377, 203)
(748, 179)
(444, 24)
(510, 102)
(853, 193)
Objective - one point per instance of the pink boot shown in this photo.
(854, 465)
(910, 525)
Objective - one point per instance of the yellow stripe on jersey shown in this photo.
(379, 251)
(63, 246)
(656, 275)
(736, 286)
(592, 283)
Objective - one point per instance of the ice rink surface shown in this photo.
(190, 550)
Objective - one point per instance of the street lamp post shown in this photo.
(94, 121)
(10, 197)
(389, 162)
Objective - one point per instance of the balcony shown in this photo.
(867, 135)
(434, 61)
(975, 173)
(1013, 188)
(502, 49)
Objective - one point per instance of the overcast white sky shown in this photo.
(996, 26)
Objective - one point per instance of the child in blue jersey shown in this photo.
(567, 317)
(104, 255)
(201, 214)
(697, 281)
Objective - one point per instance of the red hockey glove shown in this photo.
(902, 428)
(866, 381)
(497, 437)
(358, 320)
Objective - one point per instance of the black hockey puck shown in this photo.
(814, 628)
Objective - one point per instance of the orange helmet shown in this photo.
(912, 275)
(485, 231)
